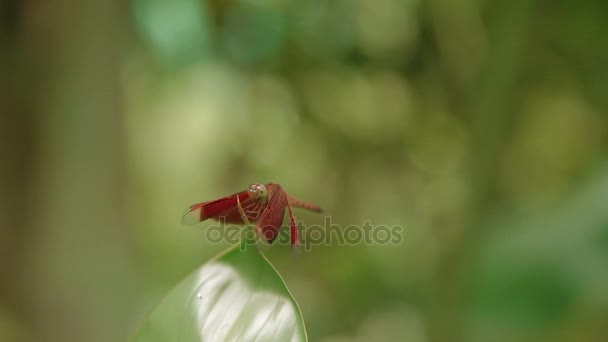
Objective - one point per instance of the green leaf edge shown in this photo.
(146, 318)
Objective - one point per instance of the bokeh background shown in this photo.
(478, 126)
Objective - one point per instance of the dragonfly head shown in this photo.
(258, 191)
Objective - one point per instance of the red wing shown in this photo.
(272, 218)
(304, 205)
(201, 211)
(252, 208)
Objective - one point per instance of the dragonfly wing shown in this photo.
(272, 218)
(202, 211)
(252, 208)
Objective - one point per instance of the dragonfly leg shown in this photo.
(294, 233)
(243, 215)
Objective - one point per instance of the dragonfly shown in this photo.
(263, 204)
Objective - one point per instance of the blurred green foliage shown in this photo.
(478, 126)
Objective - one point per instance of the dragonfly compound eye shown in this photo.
(261, 190)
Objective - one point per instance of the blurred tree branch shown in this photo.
(65, 242)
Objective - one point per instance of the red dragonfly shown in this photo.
(261, 203)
